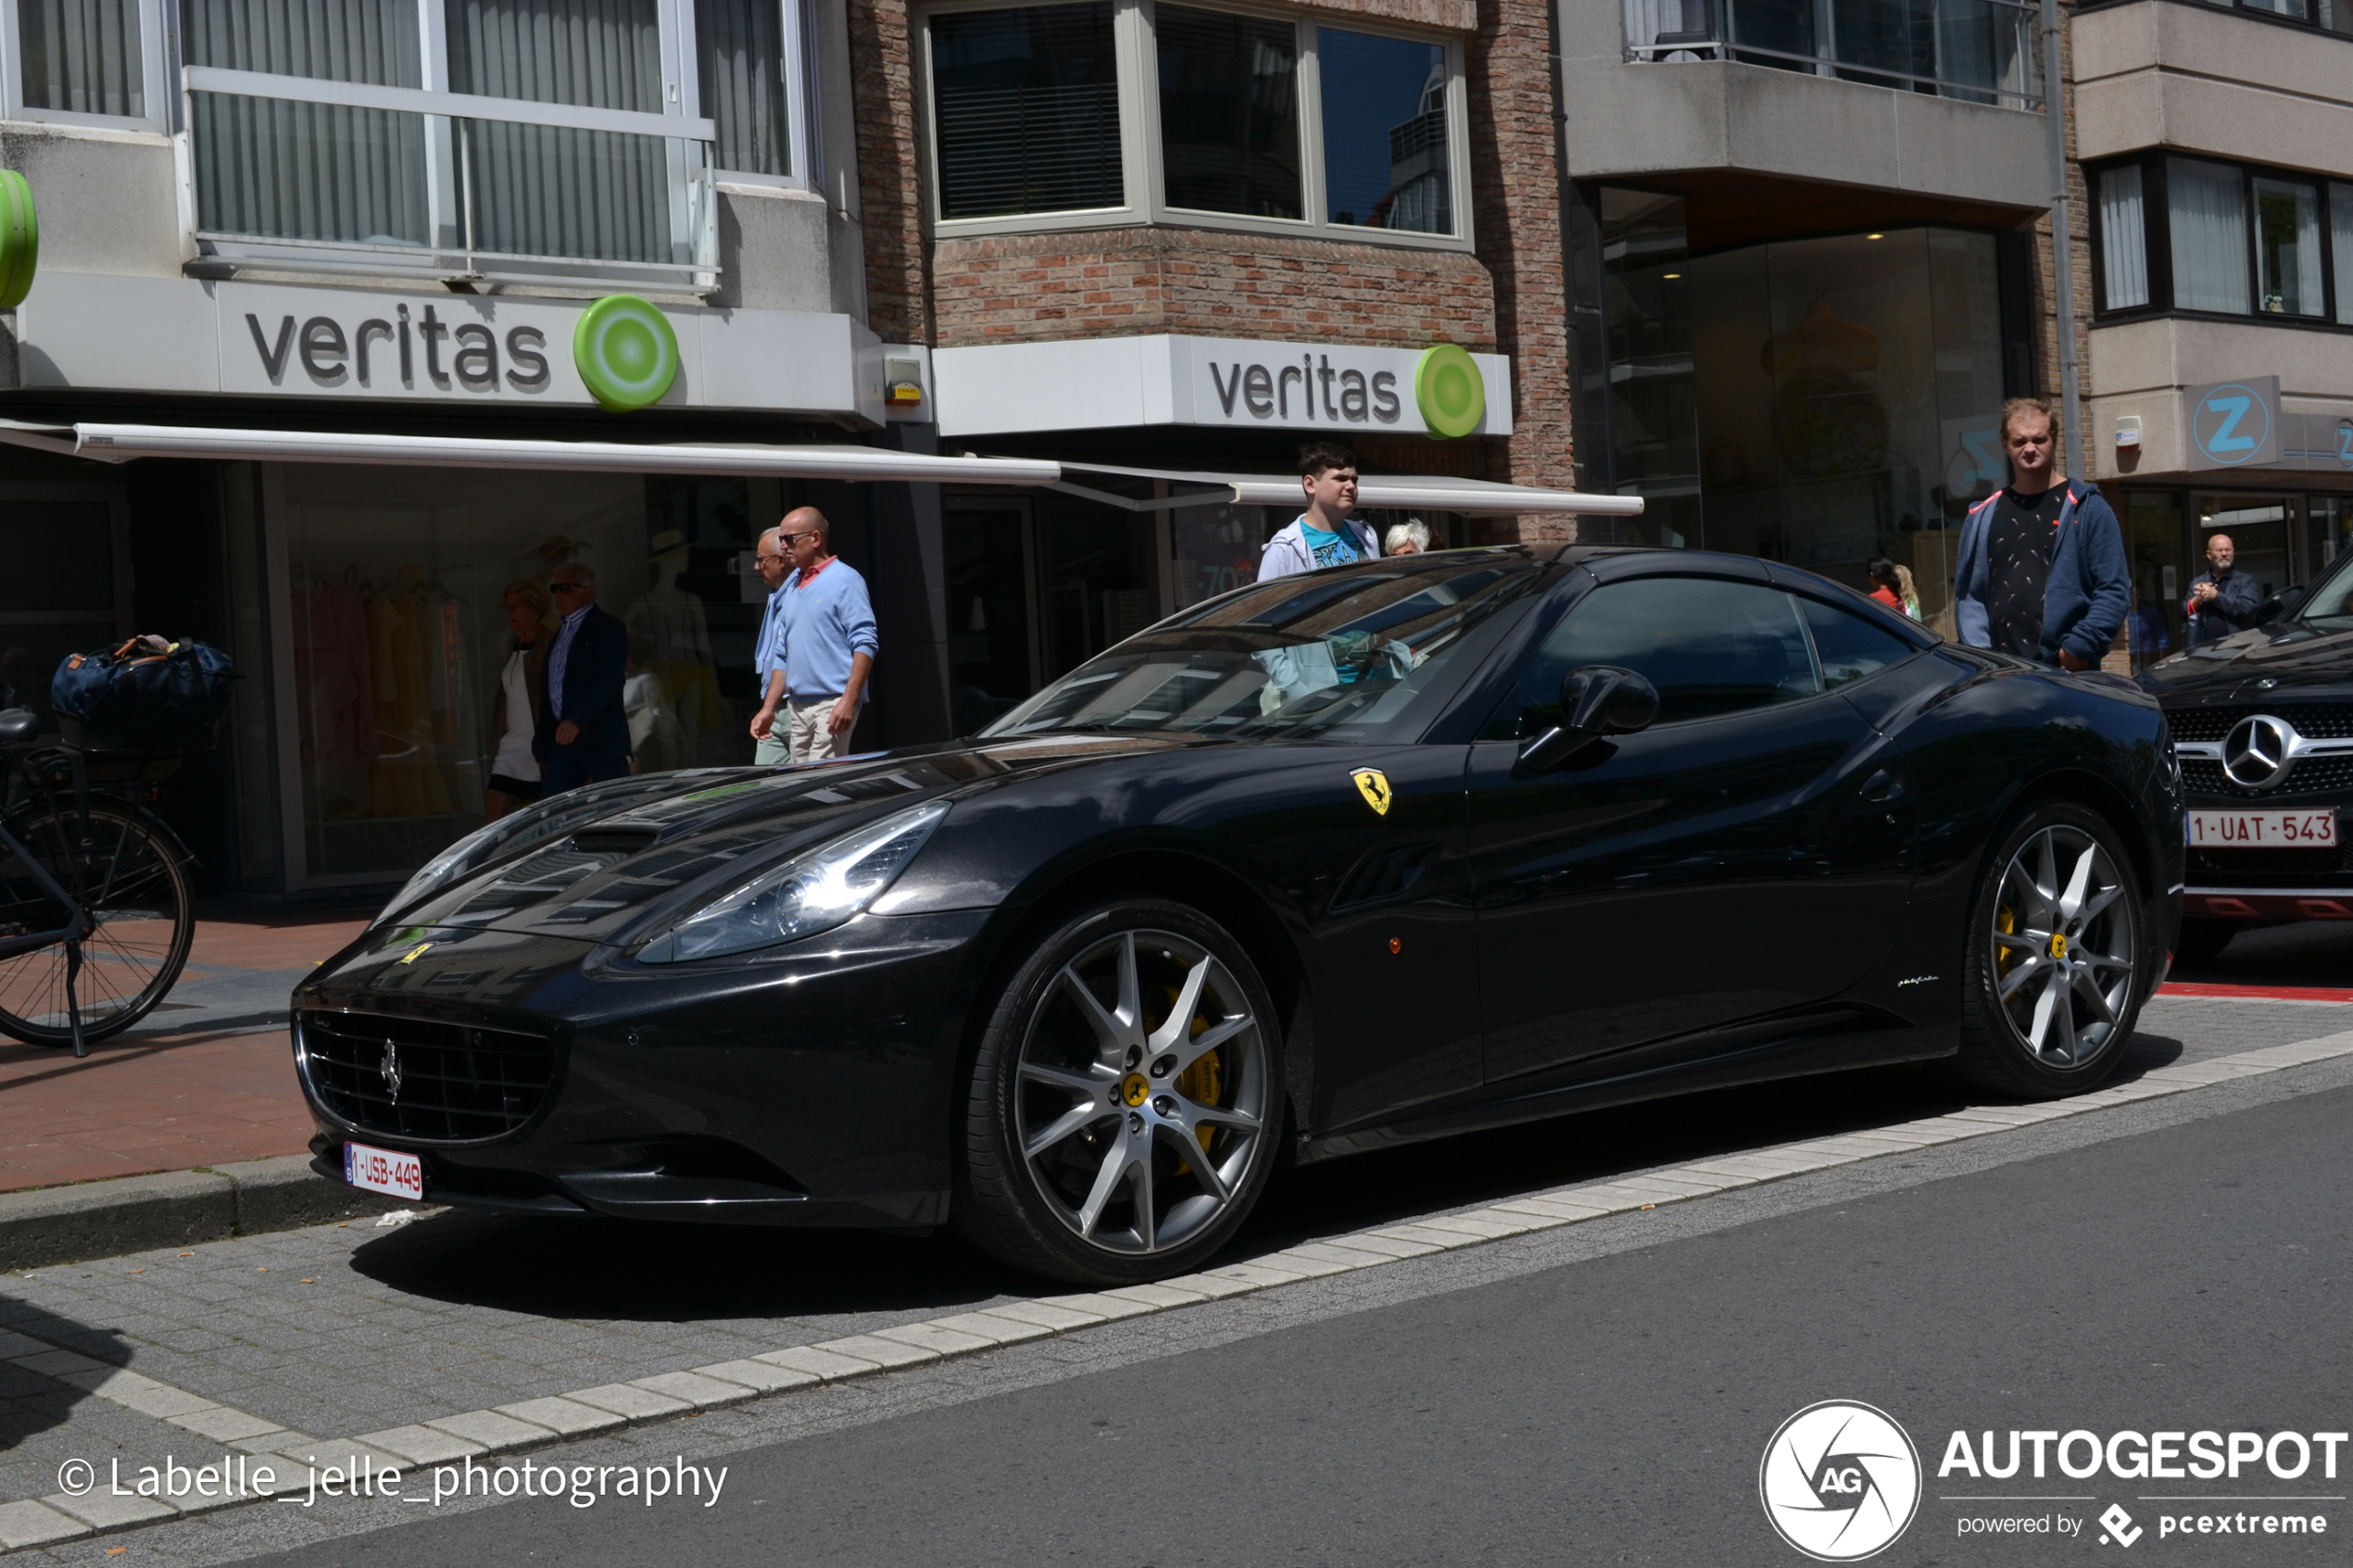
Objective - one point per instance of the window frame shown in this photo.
(158, 57)
(2156, 231)
(1135, 40)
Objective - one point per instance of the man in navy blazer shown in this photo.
(583, 733)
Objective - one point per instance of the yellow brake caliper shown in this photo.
(1203, 1082)
(2005, 921)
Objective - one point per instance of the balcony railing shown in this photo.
(1979, 50)
(307, 174)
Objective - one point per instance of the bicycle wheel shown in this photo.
(125, 871)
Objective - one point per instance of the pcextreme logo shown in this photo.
(1840, 1480)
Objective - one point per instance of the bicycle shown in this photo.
(96, 913)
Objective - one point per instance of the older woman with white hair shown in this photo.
(1408, 538)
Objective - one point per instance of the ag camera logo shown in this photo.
(1840, 1480)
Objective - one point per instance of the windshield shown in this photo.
(2330, 605)
(1297, 657)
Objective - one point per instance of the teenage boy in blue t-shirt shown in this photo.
(1324, 534)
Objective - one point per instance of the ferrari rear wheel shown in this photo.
(2055, 959)
(1124, 1106)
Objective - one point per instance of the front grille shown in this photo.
(2310, 775)
(449, 1083)
(2314, 721)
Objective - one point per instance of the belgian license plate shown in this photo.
(382, 1170)
(2262, 830)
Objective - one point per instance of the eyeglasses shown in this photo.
(567, 587)
(790, 540)
(764, 558)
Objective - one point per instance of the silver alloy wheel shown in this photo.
(1142, 1096)
(2064, 945)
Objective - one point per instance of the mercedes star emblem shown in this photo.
(390, 1068)
(2256, 754)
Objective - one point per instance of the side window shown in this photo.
(1710, 648)
(1851, 647)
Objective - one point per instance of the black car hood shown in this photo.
(593, 880)
(2273, 661)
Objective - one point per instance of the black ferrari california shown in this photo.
(1325, 864)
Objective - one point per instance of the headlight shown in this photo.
(814, 891)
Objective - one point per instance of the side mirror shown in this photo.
(2282, 605)
(1597, 701)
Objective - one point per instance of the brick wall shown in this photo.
(1516, 198)
(882, 90)
(1119, 282)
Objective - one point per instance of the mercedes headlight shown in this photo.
(814, 891)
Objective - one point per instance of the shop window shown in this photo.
(1028, 106)
(396, 636)
(67, 588)
(1229, 112)
(1183, 114)
(2124, 253)
(1387, 163)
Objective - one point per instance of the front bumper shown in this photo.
(2270, 885)
(804, 1087)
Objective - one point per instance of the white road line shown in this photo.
(537, 1423)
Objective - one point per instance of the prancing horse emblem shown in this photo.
(1373, 784)
(390, 1069)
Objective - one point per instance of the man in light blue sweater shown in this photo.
(824, 646)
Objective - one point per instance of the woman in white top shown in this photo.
(514, 706)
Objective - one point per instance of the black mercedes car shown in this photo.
(2263, 723)
(1325, 864)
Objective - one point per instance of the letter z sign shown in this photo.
(2234, 425)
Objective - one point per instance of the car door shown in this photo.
(1742, 856)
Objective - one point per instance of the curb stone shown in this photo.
(65, 1225)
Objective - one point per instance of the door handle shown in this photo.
(1882, 787)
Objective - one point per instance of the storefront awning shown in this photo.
(1399, 492)
(122, 443)
(117, 444)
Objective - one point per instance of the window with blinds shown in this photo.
(739, 50)
(81, 56)
(1229, 112)
(1025, 103)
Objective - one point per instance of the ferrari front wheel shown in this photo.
(1123, 1103)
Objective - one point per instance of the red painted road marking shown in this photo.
(2271, 992)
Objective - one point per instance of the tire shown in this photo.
(1102, 1142)
(2042, 1018)
(128, 873)
(2202, 939)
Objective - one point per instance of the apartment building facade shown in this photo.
(2214, 143)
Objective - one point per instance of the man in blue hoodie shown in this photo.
(2041, 571)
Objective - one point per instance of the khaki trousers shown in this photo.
(812, 739)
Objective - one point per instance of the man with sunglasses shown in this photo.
(824, 645)
(770, 558)
(583, 733)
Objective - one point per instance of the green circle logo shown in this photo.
(1449, 391)
(19, 239)
(626, 352)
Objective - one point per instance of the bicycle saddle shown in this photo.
(17, 724)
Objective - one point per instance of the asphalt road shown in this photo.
(1613, 1406)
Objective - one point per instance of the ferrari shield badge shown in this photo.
(1373, 784)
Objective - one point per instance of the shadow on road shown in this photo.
(636, 1271)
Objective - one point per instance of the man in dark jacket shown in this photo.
(2041, 571)
(2222, 601)
(584, 731)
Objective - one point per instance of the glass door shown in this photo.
(992, 615)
